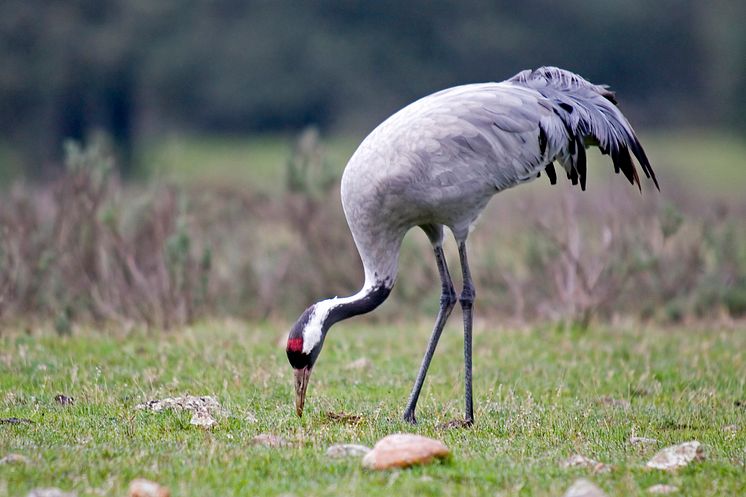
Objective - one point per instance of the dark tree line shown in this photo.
(136, 67)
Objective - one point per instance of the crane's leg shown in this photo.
(447, 301)
(467, 302)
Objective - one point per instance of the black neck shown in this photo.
(372, 299)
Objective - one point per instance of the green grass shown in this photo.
(539, 399)
(700, 159)
(257, 162)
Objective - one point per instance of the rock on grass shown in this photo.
(612, 402)
(64, 400)
(15, 421)
(584, 488)
(140, 487)
(643, 441)
(15, 459)
(269, 440)
(203, 419)
(580, 461)
(402, 450)
(203, 408)
(677, 456)
(343, 417)
(50, 492)
(187, 402)
(347, 450)
(662, 489)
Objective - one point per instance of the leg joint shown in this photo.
(467, 296)
(448, 297)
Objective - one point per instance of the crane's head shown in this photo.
(305, 340)
(307, 335)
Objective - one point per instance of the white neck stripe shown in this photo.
(313, 330)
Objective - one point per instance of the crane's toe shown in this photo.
(409, 418)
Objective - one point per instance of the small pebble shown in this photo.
(584, 488)
(140, 487)
(580, 461)
(50, 492)
(662, 489)
(64, 400)
(643, 441)
(202, 419)
(611, 401)
(15, 459)
(339, 451)
(677, 456)
(269, 440)
(15, 421)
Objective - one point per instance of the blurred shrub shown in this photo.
(307, 170)
(83, 248)
(88, 248)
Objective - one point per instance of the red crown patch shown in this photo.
(295, 344)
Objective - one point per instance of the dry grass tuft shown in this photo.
(89, 248)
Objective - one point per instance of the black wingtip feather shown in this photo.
(573, 175)
(623, 160)
(643, 160)
(581, 165)
(551, 173)
(619, 142)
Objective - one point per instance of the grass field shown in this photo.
(256, 162)
(541, 395)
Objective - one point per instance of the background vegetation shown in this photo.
(207, 139)
(88, 247)
(141, 70)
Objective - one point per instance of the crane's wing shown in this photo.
(590, 116)
(519, 127)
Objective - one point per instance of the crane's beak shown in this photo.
(301, 383)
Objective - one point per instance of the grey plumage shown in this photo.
(437, 162)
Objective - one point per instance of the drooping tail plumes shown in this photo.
(584, 114)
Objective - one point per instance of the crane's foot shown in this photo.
(409, 417)
(457, 423)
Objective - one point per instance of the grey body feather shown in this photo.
(438, 161)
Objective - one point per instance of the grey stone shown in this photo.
(203, 408)
(15, 459)
(584, 488)
(662, 488)
(339, 451)
(643, 441)
(677, 456)
(269, 440)
(50, 492)
(580, 461)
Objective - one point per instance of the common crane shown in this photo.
(436, 163)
